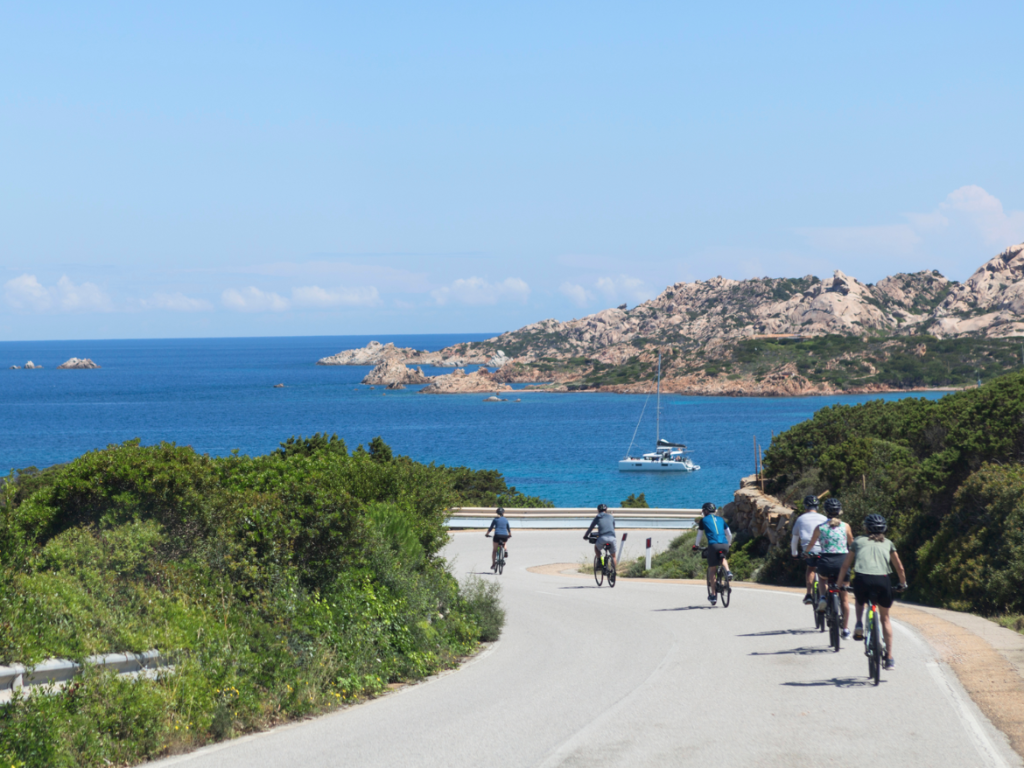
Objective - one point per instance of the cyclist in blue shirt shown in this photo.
(719, 539)
(605, 524)
(502, 533)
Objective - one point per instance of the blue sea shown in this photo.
(218, 395)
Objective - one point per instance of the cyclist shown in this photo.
(719, 539)
(873, 558)
(803, 529)
(834, 537)
(502, 533)
(605, 524)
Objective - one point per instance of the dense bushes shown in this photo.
(280, 585)
(946, 474)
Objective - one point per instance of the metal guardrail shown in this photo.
(573, 517)
(59, 671)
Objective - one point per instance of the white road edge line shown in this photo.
(958, 700)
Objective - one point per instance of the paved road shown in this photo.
(644, 674)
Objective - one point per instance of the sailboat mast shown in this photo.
(657, 429)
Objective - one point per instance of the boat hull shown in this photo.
(640, 465)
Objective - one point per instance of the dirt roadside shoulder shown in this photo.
(987, 659)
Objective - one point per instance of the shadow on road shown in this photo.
(835, 682)
(794, 652)
(781, 632)
(686, 608)
(583, 586)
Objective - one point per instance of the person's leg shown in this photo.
(809, 579)
(844, 603)
(886, 631)
(711, 580)
(494, 553)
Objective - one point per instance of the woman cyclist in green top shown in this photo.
(873, 558)
(835, 538)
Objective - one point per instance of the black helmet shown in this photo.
(810, 502)
(501, 511)
(602, 508)
(708, 508)
(875, 524)
(833, 506)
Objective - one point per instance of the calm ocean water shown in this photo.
(217, 395)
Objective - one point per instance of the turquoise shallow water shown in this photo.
(217, 395)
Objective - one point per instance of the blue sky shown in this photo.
(252, 169)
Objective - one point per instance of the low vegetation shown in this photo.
(280, 586)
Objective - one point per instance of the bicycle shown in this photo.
(604, 564)
(833, 614)
(874, 639)
(819, 616)
(498, 566)
(723, 587)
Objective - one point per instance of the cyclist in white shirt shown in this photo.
(803, 530)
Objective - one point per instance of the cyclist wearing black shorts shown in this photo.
(873, 558)
(604, 522)
(502, 533)
(834, 537)
(803, 529)
(719, 539)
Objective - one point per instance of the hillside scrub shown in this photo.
(280, 586)
(946, 474)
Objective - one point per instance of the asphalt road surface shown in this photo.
(645, 674)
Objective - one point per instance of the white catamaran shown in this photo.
(666, 456)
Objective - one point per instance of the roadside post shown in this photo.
(648, 567)
(622, 546)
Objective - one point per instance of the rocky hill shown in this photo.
(768, 336)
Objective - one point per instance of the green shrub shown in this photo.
(483, 605)
(281, 585)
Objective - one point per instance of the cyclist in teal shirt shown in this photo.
(502, 533)
(719, 539)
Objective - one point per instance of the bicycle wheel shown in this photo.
(869, 639)
(501, 562)
(611, 573)
(876, 649)
(726, 595)
(833, 623)
(598, 570)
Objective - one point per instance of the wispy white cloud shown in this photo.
(970, 209)
(985, 213)
(252, 299)
(176, 302)
(315, 296)
(579, 295)
(477, 291)
(25, 293)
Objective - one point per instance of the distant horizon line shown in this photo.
(370, 336)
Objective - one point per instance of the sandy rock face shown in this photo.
(990, 302)
(394, 371)
(31, 366)
(459, 381)
(79, 363)
(373, 353)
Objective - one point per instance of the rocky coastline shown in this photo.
(763, 337)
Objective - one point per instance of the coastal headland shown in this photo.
(762, 336)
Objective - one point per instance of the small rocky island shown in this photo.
(77, 363)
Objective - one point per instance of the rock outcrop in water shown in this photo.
(459, 382)
(394, 371)
(81, 363)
